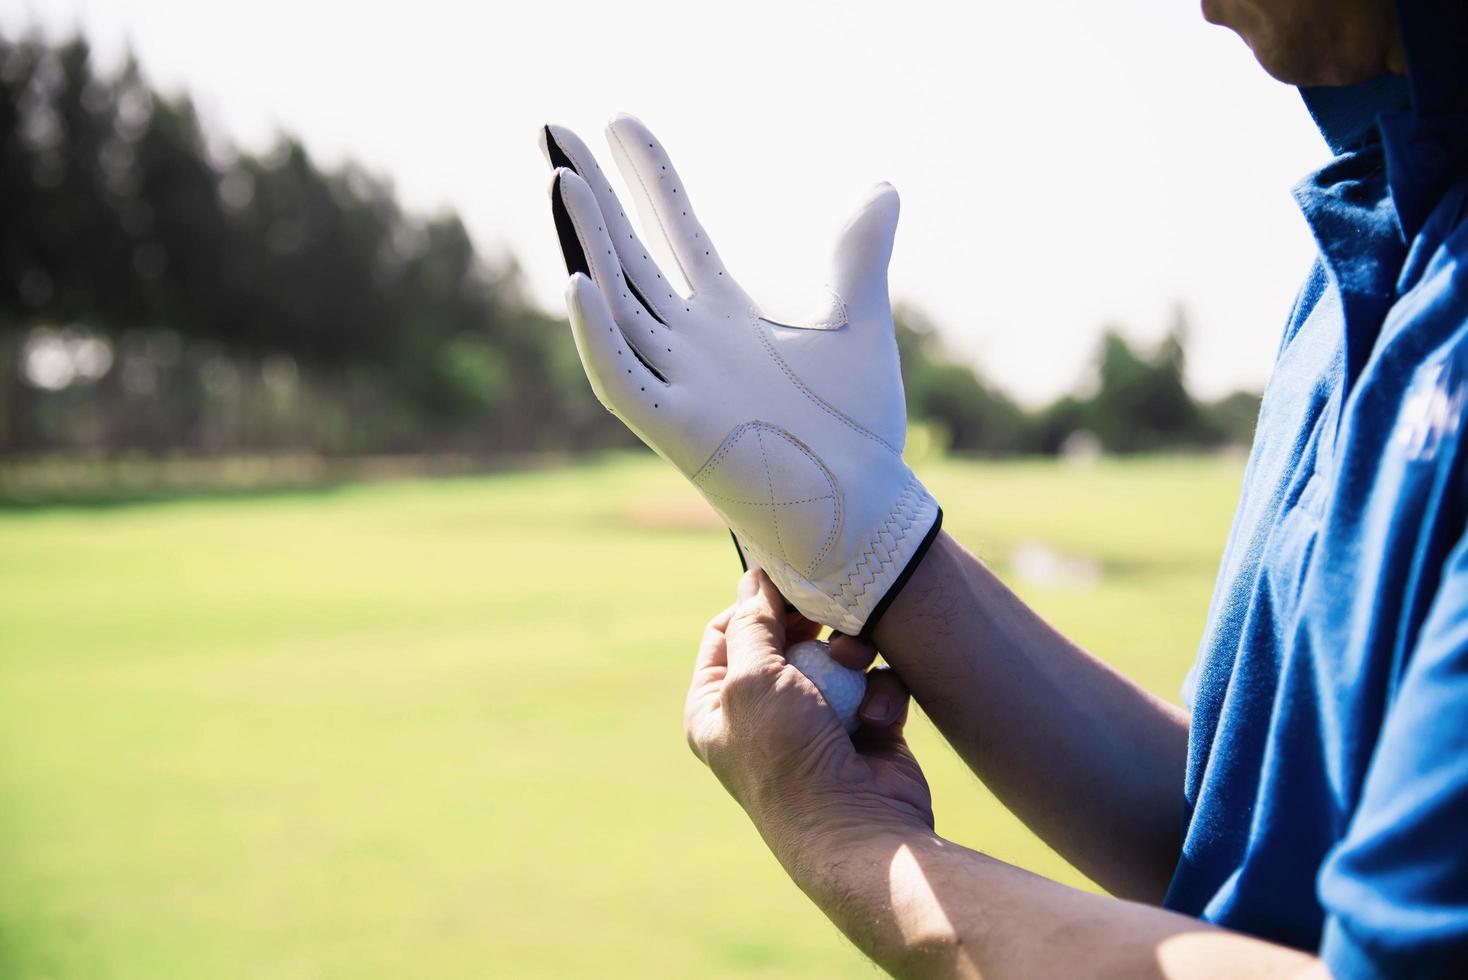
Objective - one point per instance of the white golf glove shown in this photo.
(794, 433)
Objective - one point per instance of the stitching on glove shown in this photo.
(707, 470)
(882, 546)
(760, 503)
(817, 399)
(881, 549)
(730, 441)
(830, 540)
(837, 318)
(836, 517)
(652, 205)
(793, 582)
(770, 482)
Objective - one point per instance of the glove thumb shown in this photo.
(864, 248)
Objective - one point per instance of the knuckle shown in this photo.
(754, 618)
(739, 689)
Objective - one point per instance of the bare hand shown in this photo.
(775, 744)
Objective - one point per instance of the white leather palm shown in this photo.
(793, 433)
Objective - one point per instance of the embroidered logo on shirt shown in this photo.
(1432, 412)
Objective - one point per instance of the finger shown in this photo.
(621, 382)
(849, 651)
(711, 651)
(797, 628)
(886, 701)
(588, 250)
(864, 249)
(756, 632)
(645, 281)
(662, 201)
(709, 670)
(800, 631)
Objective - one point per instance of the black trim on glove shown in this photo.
(739, 550)
(566, 232)
(912, 564)
(576, 258)
(560, 160)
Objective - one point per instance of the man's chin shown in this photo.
(1290, 50)
(1316, 72)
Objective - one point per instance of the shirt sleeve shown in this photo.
(1395, 889)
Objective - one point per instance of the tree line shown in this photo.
(161, 291)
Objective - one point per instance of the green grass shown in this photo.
(432, 728)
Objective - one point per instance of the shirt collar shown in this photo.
(1350, 212)
(1396, 144)
(1346, 115)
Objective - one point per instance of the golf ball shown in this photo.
(842, 687)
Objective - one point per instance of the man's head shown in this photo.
(1316, 42)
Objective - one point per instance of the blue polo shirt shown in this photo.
(1327, 779)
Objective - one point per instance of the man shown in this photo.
(1310, 815)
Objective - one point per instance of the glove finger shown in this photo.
(645, 281)
(588, 249)
(662, 201)
(864, 248)
(620, 381)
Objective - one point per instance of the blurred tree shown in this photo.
(197, 264)
(1141, 402)
(160, 290)
(1058, 421)
(1234, 417)
(974, 416)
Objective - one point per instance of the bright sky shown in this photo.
(1063, 164)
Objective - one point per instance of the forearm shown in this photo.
(1089, 760)
(922, 906)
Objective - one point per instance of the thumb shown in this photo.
(756, 633)
(864, 248)
(884, 706)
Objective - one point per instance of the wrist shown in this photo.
(930, 598)
(826, 839)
